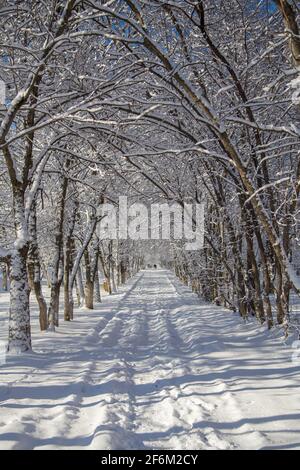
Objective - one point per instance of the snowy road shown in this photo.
(153, 367)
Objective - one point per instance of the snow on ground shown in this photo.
(151, 367)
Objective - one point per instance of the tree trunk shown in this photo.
(279, 290)
(68, 301)
(258, 303)
(43, 317)
(34, 270)
(53, 310)
(68, 306)
(289, 15)
(89, 282)
(97, 288)
(106, 270)
(80, 287)
(89, 294)
(114, 287)
(266, 282)
(56, 278)
(19, 335)
(122, 272)
(5, 276)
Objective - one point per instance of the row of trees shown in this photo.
(162, 100)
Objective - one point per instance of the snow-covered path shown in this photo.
(152, 367)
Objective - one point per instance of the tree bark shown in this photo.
(68, 266)
(89, 282)
(19, 335)
(5, 277)
(97, 287)
(80, 287)
(290, 20)
(56, 278)
(34, 270)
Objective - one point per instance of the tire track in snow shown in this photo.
(227, 403)
(183, 410)
(130, 341)
(68, 414)
(111, 420)
(160, 343)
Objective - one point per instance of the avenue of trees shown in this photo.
(169, 101)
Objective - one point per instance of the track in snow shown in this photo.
(154, 367)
